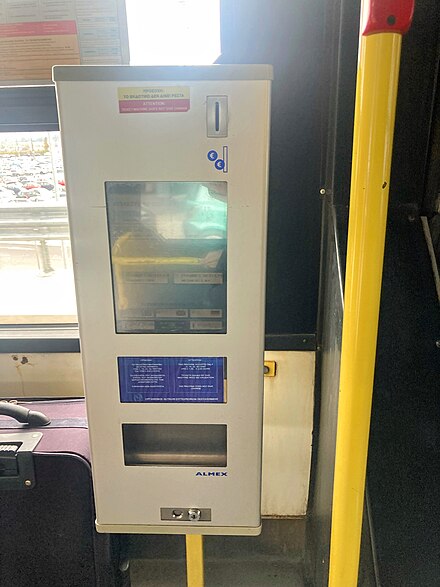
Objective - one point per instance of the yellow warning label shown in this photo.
(167, 93)
(154, 99)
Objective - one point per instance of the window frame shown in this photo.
(33, 109)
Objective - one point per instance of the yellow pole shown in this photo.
(194, 560)
(376, 94)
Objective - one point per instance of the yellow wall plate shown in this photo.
(270, 368)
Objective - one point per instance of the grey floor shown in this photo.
(220, 573)
(273, 559)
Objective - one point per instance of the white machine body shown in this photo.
(166, 171)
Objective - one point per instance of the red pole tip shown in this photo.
(387, 16)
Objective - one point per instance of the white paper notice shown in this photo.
(37, 34)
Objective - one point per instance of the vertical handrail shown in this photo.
(384, 22)
(194, 561)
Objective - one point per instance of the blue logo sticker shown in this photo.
(219, 164)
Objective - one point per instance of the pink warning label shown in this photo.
(173, 105)
(38, 29)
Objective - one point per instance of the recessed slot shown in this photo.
(217, 116)
(181, 445)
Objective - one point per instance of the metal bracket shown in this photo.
(22, 469)
(186, 514)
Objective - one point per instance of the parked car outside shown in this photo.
(40, 195)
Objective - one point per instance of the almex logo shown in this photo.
(211, 474)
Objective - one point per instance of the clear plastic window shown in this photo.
(36, 273)
(168, 247)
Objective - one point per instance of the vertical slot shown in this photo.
(217, 116)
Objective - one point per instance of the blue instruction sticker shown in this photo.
(171, 379)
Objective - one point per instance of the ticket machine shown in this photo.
(166, 171)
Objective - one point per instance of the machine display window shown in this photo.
(168, 248)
